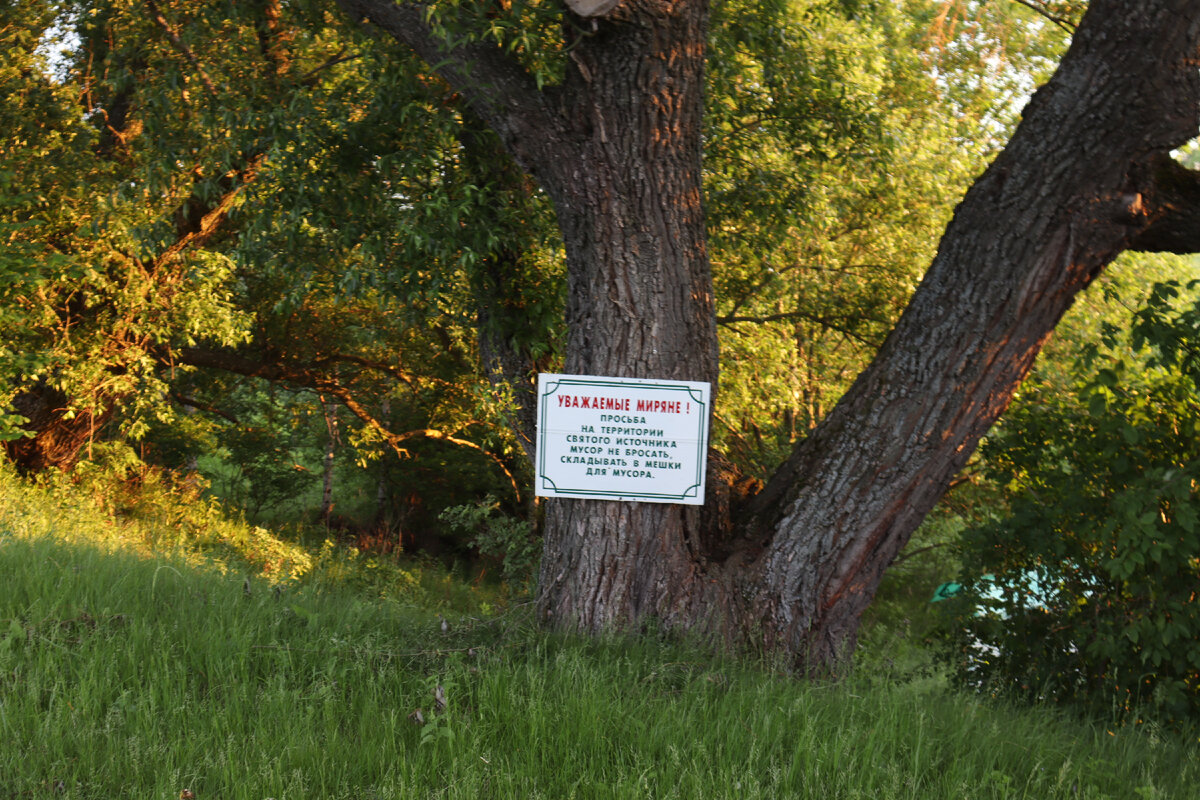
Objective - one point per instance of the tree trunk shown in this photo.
(639, 299)
(618, 149)
(329, 409)
(383, 514)
(58, 436)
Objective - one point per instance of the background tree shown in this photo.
(128, 201)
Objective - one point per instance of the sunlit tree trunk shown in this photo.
(58, 435)
(639, 299)
(1084, 177)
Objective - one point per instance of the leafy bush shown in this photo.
(508, 539)
(1086, 588)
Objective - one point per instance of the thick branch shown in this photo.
(1173, 203)
(367, 363)
(274, 38)
(203, 220)
(311, 377)
(308, 375)
(199, 405)
(178, 44)
(395, 439)
(1063, 199)
(494, 85)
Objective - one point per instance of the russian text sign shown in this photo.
(622, 439)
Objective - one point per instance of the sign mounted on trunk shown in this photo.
(622, 439)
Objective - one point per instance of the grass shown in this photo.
(128, 674)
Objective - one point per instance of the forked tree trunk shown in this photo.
(617, 148)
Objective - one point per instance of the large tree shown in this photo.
(615, 142)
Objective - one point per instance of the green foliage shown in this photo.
(1085, 586)
(1173, 332)
(839, 137)
(115, 503)
(496, 535)
(100, 281)
(529, 29)
(901, 629)
(262, 459)
(249, 186)
(262, 187)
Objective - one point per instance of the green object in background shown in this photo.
(946, 591)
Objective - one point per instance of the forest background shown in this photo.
(259, 259)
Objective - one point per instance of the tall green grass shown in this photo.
(135, 510)
(127, 675)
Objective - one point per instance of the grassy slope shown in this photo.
(125, 675)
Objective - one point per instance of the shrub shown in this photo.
(496, 535)
(1086, 587)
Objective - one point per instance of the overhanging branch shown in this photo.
(199, 405)
(493, 84)
(395, 440)
(202, 219)
(311, 376)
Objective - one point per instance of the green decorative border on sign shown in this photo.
(701, 444)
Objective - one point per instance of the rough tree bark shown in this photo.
(58, 435)
(617, 148)
(640, 300)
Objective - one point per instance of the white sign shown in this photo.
(622, 439)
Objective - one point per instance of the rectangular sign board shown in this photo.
(622, 439)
